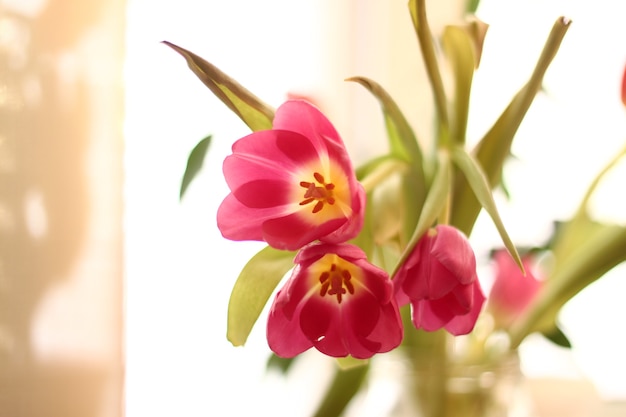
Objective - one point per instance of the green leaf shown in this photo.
(392, 186)
(434, 205)
(604, 248)
(342, 389)
(472, 6)
(350, 362)
(417, 8)
(254, 112)
(460, 50)
(495, 146)
(379, 170)
(255, 285)
(556, 336)
(482, 190)
(437, 196)
(282, 365)
(402, 141)
(412, 199)
(477, 30)
(386, 210)
(194, 164)
(601, 251)
(576, 231)
(584, 250)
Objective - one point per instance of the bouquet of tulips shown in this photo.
(376, 257)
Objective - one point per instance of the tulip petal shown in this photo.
(460, 325)
(387, 332)
(292, 185)
(512, 291)
(264, 193)
(452, 251)
(351, 253)
(442, 280)
(439, 280)
(233, 220)
(360, 316)
(269, 154)
(304, 118)
(316, 318)
(341, 305)
(423, 317)
(293, 231)
(284, 336)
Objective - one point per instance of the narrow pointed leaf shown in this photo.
(601, 252)
(556, 336)
(437, 196)
(254, 112)
(402, 140)
(414, 193)
(342, 389)
(584, 250)
(460, 51)
(417, 8)
(472, 5)
(349, 362)
(495, 146)
(604, 249)
(482, 190)
(434, 205)
(255, 285)
(282, 365)
(194, 164)
(408, 198)
(477, 30)
(577, 230)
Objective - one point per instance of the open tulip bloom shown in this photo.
(337, 302)
(365, 250)
(293, 184)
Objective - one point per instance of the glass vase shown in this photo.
(493, 388)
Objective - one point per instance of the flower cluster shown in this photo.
(378, 255)
(294, 187)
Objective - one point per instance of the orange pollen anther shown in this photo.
(318, 191)
(336, 282)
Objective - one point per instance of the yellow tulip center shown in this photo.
(318, 192)
(335, 277)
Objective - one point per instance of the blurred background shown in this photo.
(113, 293)
(61, 209)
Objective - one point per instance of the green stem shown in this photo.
(430, 361)
(582, 209)
(383, 171)
(433, 205)
(425, 39)
(577, 267)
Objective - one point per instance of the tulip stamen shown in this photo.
(336, 282)
(318, 191)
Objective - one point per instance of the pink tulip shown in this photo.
(439, 280)
(292, 185)
(337, 302)
(512, 291)
(624, 87)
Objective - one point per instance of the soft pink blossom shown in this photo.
(512, 291)
(293, 184)
(337, 302)
(439, 280)
(624, 87)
